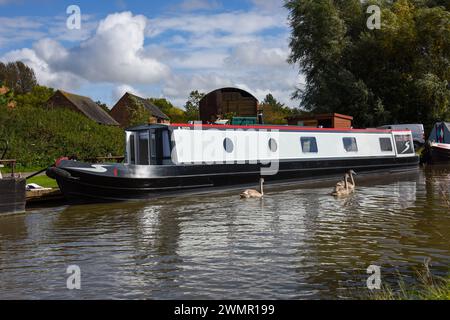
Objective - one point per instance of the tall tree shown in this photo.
(192, 106)
(18, 77)
(274, 111)
(274, 103)
(400, 73)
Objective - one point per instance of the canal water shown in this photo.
(296, 243)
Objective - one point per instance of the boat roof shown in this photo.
(146, 127)
(283, 128)
(259, 127)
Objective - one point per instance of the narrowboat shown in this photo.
(439, 143)
(163, 159)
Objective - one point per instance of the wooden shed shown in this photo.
(216, 104)
(333, 120)
(81, 104)
(121, 111)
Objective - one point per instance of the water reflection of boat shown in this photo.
(163, 159)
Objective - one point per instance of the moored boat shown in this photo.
(12, 192)
(440, 152)
(439, 143)
(162, 159)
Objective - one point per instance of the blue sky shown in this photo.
(152, 48)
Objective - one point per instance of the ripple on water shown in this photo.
(297, 243)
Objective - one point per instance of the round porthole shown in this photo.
(273, 145)
(228, 145)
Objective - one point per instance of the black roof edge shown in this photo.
(146, 127)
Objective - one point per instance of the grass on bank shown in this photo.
(428, 288)
(44, 181)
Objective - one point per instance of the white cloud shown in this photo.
(268, 5)
(19, 23)
(114, 54)
(43, 71)
(203, 60)
(120, 90)
(179, 87)
(256, 54)
(17, 30)
(239, 23)
(195, 5)
(58, 30)
(247, 49)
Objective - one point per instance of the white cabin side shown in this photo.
(251, 146)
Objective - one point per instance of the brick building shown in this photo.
(121, 111)
(333, 120)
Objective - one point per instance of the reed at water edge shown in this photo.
(428, 287)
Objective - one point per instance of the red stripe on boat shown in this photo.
(283, 128)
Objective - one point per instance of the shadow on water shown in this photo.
(296, 243)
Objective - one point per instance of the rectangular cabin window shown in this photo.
(350, 145)
(144, 158)
(166, 145)
(309, 145)
(132, 150)
(404, 144)
(386, 144)
(153, 150)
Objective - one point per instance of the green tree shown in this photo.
(18, 77)
(397, 74)
(38, 136)
(175, 114)
(274, 103)
(274, 111)
(139, 114)
(192, 106)
(37, 97)
(104, 106)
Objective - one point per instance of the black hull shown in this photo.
(12, 196)
(83, 187)
(440, 154)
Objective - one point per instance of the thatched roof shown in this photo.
(89, 108)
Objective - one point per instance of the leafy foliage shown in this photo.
(104, 106)
(398, 74)
(275, 112)
(37, 97)
(193, 105)
(139, 114)
(17, 76)
(38, 135)
(6, 97)
(175, 114)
